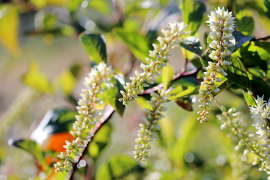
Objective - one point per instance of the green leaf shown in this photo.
(31, 147)
(102, 6)
(117, 167)
(267, 7)
(95, 47)
(246, 25)
(261, 48)
(167, 132)
(255, 54)
(182, 87)
(143, 103)
(249, 98)
(167, 75)
(9, 22)
(111, 96)
(100, 141)
(193, 11)
(36, 80)
(192, 44)
(136, 43)
(27, 145)
(67, 82)
(237, 72)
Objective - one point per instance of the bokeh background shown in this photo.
(42, 65)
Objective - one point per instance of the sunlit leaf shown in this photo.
(182, 87)
(167, 76)
(111, 96)
(102, 6)
(143, 103)
(249, 98)
(67, 82)
(9, 22)
(136, 43)
(193, 11)
(36, 80)
(95, 47)
(167, 131)
(39, 3)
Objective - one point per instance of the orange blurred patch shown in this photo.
(57, 141)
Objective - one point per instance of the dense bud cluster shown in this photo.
(87, 116)
(143, 140)
(221, 25)
(158, 57)
(249, 142)
(261, 119)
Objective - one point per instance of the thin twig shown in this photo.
(109, 112)
(261, 38)
(107, 115)
(176, 77)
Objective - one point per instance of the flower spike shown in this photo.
(221, 25)
(158, 57)
(87, 116)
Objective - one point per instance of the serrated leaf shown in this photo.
(249, 98)
(192, 44)
(193, 11)
(136, 43)
(9, 23)
(95, 47)
(167, 75)
(36, 80)
(100, 141)
(118, 167)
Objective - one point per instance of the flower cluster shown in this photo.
(87, 116)
(158, 57)
(261, 119)
(143, 140)
(248, 142)
(221, 24)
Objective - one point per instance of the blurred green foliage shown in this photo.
(119, 33)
